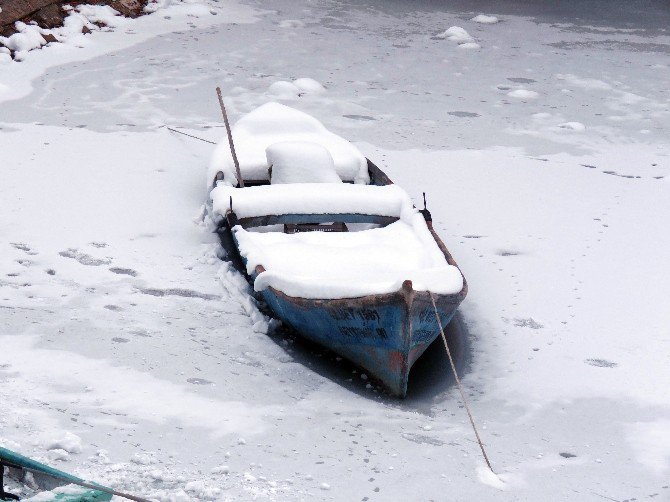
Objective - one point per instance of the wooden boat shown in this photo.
(383, 333)
(31, 478)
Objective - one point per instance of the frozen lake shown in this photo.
(130, 354)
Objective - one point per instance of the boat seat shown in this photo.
(389, 201)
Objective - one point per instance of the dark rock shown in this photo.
(50, 16)
(86, 30)
(49, 38)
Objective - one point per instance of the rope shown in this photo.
(458, 383)
(190, 136)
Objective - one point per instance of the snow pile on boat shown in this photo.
(301, 162)
(338, 264)
(312, 198)
(274, 123)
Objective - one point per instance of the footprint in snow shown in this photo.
(521, 80)
(83, 258)
(464, 114)
(23, 247)
(359, 117)
(123, 271)
(601, 363)
(117, 339)
(199, 381)
(528, 323)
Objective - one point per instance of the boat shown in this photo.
(333, 248)
(28, 479)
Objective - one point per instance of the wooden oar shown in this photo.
(230, 138)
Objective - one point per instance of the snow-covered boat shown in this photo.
(333, 247)
(28, 479)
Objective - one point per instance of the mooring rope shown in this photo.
(191, 136)
(458, 383)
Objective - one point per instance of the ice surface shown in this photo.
(272, 123)
(301, 162)
(560, 233)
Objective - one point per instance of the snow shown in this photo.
(456, 34)
(573, 126)
(523, 94)
(349, 264)
(310, 198)
(309, 85)
(27, 38)
(300, 162)
(561, 235)
(273, 123)
(484, 19)
(69, 443)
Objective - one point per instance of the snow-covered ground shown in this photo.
(130, 354)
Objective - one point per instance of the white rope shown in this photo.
(458, 383)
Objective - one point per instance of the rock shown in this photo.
(50, 16)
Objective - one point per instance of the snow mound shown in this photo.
(301, 162)
(484, 19)
(375, 261)
(488, 477)
(313, 198)
(456, 34)
(470, 45)
(523, 94)
(573, 126)
(309, 85)
(284, 89)
(68, 442)
(28, 37)
(293, 90)
(273, 123)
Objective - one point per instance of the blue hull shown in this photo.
(384, 334)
